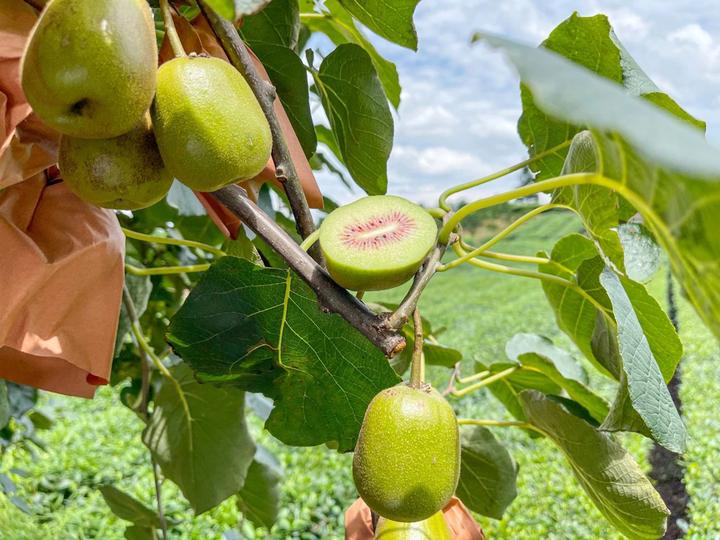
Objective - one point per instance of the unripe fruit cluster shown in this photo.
(90, 72)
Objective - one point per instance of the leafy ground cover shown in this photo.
(98, 442)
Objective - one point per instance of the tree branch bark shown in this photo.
(330, 295)
(265, 93)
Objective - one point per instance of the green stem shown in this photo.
(515, 258)
(474, 183)
(524, 191)
(437, 213)
(470, 378)
(165, 270)
(417, 369)
(310, 240)
(486, 381)
(502, 234)
(170, 29)
(172, 241)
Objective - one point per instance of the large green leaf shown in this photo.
(338, 25)
(128, 508)
(560, 98)
(287, 72)
(487, 473)
(272, 34)
(261, 329)
(359, 115)
(538, 353)
(391, 19)
(606, 471)
(643, 379)
(197, 434)
(259, 498)
(585, 41)
(277, 24)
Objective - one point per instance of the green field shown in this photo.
(98, 442)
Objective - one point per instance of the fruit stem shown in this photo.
(501, 235)
(486, 381)
(417, 370)
(310, 240)
(499, 174)
(172, 241)
(170, 30)
(166, 270)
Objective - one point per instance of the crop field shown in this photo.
(98, 442)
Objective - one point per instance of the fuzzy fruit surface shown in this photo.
(432, 528)
(209, 127)
(124, 173)
(407, 458)
(377, 242)
(89, 66)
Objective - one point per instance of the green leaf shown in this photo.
(567, 91)
(21, 398)
(197, 434)
(487, 473)
(242, 247)
(259, 498)
(606, 471)
(287, 72)
(128, 508)
(642, 254)
(261, 329)
(358, 111)
(338, 25)
(539, 354)
(646, 387)
(391, 19)
(140, 288)
(277, 24)
(585, 41)
(576, 314)
(4, 405)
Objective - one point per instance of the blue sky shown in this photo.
(460, 103)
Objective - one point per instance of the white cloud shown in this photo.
(435, 161)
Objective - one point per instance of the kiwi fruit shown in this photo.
(209, 127)
(407, 459)
(89, 67)
(376, 242)
(124, 173)
(433, 528)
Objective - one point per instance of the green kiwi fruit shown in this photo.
(433, 528)
(124, 173)
(89, 66)
(377, 242)
(407, 459)
(209, 127)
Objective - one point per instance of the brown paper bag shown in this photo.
(61, 278)
(359, 524)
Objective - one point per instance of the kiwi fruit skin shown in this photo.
(209, 127)
(359, 260)
(407, 459)
(123, 173)
(89, 67)
(433, 528)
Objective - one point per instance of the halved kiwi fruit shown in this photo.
(377, 242)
